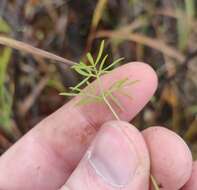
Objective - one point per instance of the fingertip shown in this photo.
(115, 160)
(143, 90)
(139, 93)
(144, 72)
(171, 159)
(192, 182)
(138, 154)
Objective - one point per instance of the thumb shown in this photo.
(118, 158)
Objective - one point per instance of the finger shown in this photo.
(171, 159)
(53, 148)
(192, 182)
(117, 159)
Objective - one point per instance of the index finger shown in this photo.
(46, 156)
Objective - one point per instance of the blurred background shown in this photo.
(162, 33)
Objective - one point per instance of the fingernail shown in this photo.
(113, 157)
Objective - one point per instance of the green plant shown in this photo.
(94, 70)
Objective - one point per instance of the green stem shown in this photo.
(105, 99)
(103, 94)
(110, 107)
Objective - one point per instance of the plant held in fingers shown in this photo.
(94, 70)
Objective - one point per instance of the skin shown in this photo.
(48, 157)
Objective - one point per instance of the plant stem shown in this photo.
(105, 99)
(103, 94)
(154, 182)
(110, 107)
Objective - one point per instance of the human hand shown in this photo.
(115, 156)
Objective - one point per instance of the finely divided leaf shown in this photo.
(67, 94)
(102, 64)
(82, 72)
(85, 101)
(116, 101)
(90, 59)
(113, 64)
(91, 94)
(80, 84)
(100, 52)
